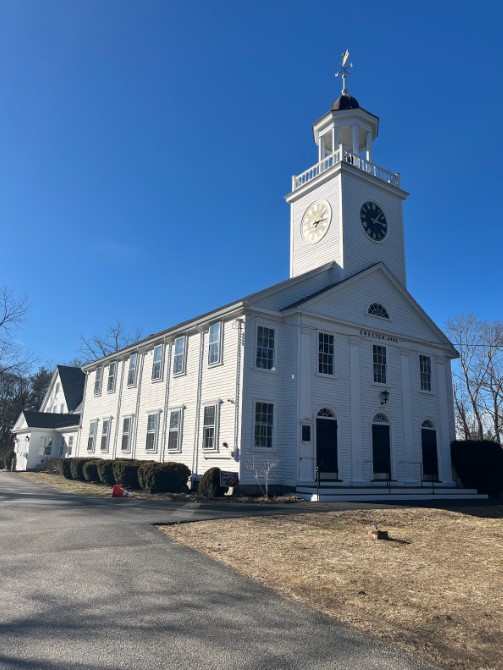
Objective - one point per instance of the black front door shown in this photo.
(326, 449)
(430, 458)
(381, 455)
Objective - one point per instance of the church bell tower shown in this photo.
(346, 209)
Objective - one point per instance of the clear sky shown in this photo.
(146, 148)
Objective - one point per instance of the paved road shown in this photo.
(91, 584)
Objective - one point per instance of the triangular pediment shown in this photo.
(349, 301)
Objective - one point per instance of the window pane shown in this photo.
(325, 354)
(214, 344)
(379, 360)
(97, 381)
(126, 433)
(265, 348)
(131, 378)
(157, 362)
(209, 427)
(425, 372)
(174, 430)
(264, 424)
(105, 430)
(111, 377)
(151, 431)
(179, 357)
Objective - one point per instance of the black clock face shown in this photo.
(373, 221)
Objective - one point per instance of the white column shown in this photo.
(412, 469)
(355, 140)
(321, 149)
(368, 152)
(306, 454)
(335, 138)
(443, 432)
(356, 413)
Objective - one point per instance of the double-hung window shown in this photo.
(46, 446)
(425, 372)
(112, 376)
(210, 427)
(152, 428)
(265, 348)
(180, 348)
(264, 424)
(105, 435)
(127, 426)
(157, 362)
(175, 427)
(379, 363)
(91, 440)
(325, 354)
(133, 369)
(98, 380)
(215, 344)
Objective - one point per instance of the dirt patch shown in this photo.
(433, 589)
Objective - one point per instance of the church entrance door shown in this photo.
(326, 446)
(381, 452)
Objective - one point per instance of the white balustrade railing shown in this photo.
(357, 161)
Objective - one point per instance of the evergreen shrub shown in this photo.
(106, 472)
(126, 473)
(10, 460)
(90, 471)
(479, 465)
(209, 485)
(163, 477)
(77, 468)
(66, 470)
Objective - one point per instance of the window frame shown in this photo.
(378, 309)
(177, 355)
(323, 333)
(98, 380)
(270, 352)
(46, 446)
(157, 364)
(178, 431)
(129, 434)
(208, 426)
(105, 435)
(425, 375)
(112, 377)
(154, 432)
(270, 427)
(215, 344)
(91, 438)
(132, 378)
(379, 366)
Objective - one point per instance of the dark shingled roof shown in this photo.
(48, 420)
(345, 102)
(72, 381)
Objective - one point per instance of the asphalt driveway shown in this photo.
(91, 584)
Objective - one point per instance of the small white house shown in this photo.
(336, 378)
(52, 431)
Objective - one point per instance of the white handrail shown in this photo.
(357, 161)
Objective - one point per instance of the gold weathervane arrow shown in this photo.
(344, 71)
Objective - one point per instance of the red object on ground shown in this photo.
(119, 492)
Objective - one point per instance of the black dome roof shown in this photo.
(345, 102)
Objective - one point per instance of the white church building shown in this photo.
(336, 374)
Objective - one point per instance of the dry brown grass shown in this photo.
(435, 589)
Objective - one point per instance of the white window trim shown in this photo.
(178, 450)
(156, 434)
(220, 342)
(183, 371)
(326, 375)
(98, 380)
(216, 436)
(273, 447)
(107, 447)
(161, 363)
(115, 366)
(94, 434)
(130, 434)
(422, 390)
(274, 351)
(386, 366)
(133, 383)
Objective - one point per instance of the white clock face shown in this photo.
(316, 221)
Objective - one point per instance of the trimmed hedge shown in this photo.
(90, 471)
(163, 477)
(479, 465)
(106, 472)
(77, 468)
(126, 473)
(209, 485)
(66, 469)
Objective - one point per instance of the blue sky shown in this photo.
(146, 148)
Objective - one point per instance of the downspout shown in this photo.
(138, 394)
(198, 405)
(168, 347)
(119, 405)
(79, 433)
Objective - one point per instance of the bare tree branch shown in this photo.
(98, 346)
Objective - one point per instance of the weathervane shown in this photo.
(344, 71)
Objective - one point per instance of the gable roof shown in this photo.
(48, 420)
(72, 383)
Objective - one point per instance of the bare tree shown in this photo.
(13, 360)
(98, 346)
(262, 471)
(478, 377)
